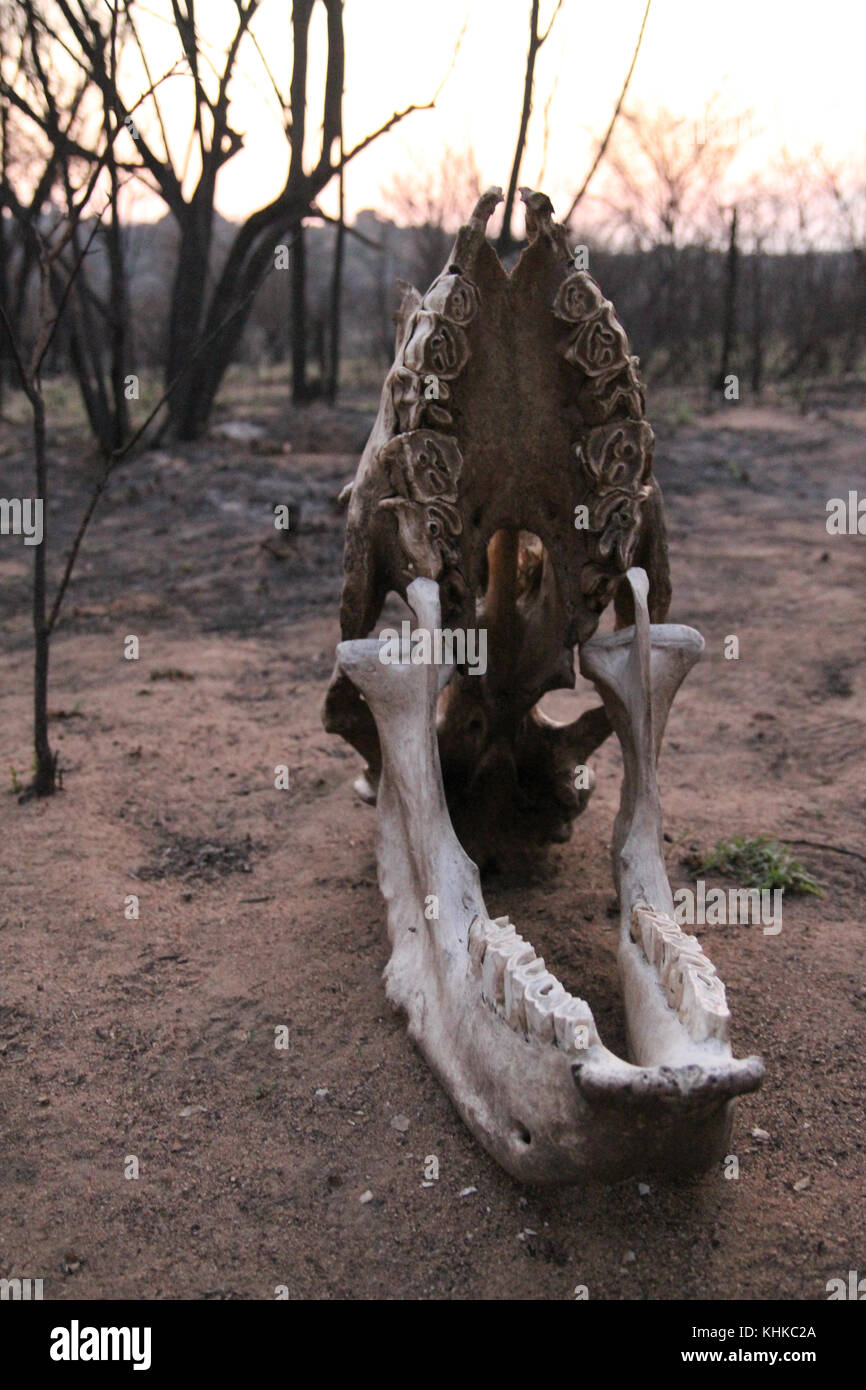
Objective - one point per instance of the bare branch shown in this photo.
(17, 358)
(383, 129)
(97, 222)
(120, 454)
(535, 42)
(602, 149)
(458, 45)
(543, 37)
(153, 85)
(317, 213)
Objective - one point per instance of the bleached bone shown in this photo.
(687, 976)
(511, 462)
(520, 1057)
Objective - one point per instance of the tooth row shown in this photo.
(515, 983)
(686, 975)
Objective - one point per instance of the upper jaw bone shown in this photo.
(520, 1057)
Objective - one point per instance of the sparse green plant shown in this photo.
(681, 414)
(736, 470)
(171, 673)
(760, 862)
(75, 712)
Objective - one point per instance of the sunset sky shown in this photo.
(796, 67)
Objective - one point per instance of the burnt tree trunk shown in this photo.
(758, 319)
(729, 320)
(185, 319)
(300, 383)
(118, 312)
(250, 257)
(5, 360)
(332, 376)
(45, 775)
(851, 350)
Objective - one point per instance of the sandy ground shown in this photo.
(154, 1038)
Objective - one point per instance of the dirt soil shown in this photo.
(155, 1038)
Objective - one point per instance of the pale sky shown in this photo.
(795, 65)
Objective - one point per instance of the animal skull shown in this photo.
(513, 409)
(513, 406)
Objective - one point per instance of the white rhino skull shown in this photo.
(513, 407)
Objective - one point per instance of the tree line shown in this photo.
(767, 280)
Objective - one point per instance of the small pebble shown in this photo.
(802, 1184)
(761, 1135)
(365, 1197)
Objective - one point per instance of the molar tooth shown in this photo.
(477, 941)
(640, 926)
(674, 946)
(500, 946)
(568, 1017)
(519, 970)
(665, 941)
(543, 994)
(583, 1035)
(686, 975)
(664, 945)
(704, 1008)
(501, 938)
(678, 957)
(686, 964)
(491, 968)
(675, 985)
(646, 929)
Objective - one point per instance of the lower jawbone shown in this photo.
(521, 1058)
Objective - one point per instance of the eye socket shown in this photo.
(433, 528)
